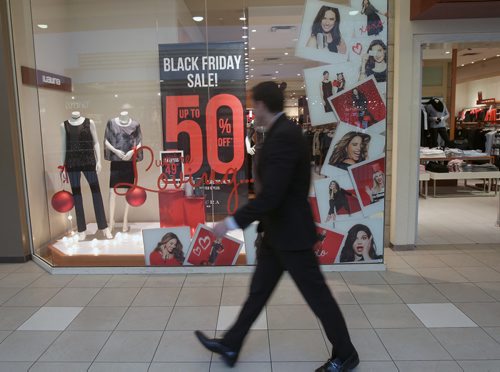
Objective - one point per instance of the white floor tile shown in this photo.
(441, 315)
(51, 319)
(228, 314)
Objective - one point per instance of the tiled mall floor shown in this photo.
(458, 220)
(434, 309)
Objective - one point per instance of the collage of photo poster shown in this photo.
(347, 92)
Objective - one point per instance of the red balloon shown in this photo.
(136, 196)
(62, 201)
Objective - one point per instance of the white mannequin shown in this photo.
(75, 120)
(123, 120)
(249, 147)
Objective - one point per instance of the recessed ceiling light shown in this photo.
(43, 26)
(353, 12)
(116, 95)
(244, 37)
(253, 48)
(274, 77)
(252, 60)
(246, 53)
(484, 59)
(462, 65)
(243, 18)
(244, 27)
(298, 74)
(246, 43)
(73, 97)
(159, 93)
(276, 72)
(251, 76)
(197, 18)
(254, 30)
(447, 52)
(286, 53)
(251, 69)
(472, 62)
(498, 55)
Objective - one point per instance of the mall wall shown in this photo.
(407, 90)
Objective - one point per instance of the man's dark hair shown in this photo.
(270, 94)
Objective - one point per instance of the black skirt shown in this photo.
(121, 171)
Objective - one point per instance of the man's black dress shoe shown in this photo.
(337, 365)
(215, 345)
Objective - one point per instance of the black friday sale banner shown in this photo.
(203, 104)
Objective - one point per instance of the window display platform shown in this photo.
(125, 249)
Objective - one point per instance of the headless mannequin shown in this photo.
(123, 120)
(77, 120)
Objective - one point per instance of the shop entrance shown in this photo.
(459, 144)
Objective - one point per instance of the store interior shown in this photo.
(460, 144)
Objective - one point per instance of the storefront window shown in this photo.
(138, 133)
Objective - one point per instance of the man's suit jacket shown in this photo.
(281, 205)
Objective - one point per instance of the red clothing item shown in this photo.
(155, 259)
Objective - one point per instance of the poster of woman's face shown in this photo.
(325, 32)
(322, 83)
(328, 244)
(166, 246)
(337, 200)
(362, 107)
(368, 178)
(350, 146)
(363, 242)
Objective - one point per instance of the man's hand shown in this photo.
(220, 229)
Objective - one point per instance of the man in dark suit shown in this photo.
(281, 206)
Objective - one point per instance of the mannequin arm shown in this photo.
(249, 147)
(97, 148)
(63, 144)
(130, 153)
(117, 152)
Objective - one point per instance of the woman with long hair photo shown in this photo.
(351, 149)
(325, 32)
(374, 24)
(168, 252)
(375, 62)
(359, 245)
(337, 199)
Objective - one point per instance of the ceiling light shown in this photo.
(251, 69)
(254, 30)
(286, 53)
(447, 52)
(244, 27)
(253, 48)
(73, 97)
(252, 60)
(243, 18)
(298, 74)
(251, 75)
(472, 62)
(197, 18)
(244, 37)
(462, 65)
(246, 43)
(246, 53)
(498, 55)
(159, 93)
(276, 72)
(274, 77)
(116, 95)
(353, 12)
(43, 26)
(484, 59)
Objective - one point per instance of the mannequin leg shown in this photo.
(444, 135)
(434, 137)
(100, 216)
(74, 180)
(125, 217)
(112, 202)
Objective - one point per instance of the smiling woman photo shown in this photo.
(168, 252)
(359, 245)
(375, 62)
(325, 33)
(351, 149)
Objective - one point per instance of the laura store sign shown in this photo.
(44, 79)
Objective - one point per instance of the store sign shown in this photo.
(44, 79)
(203, 92)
